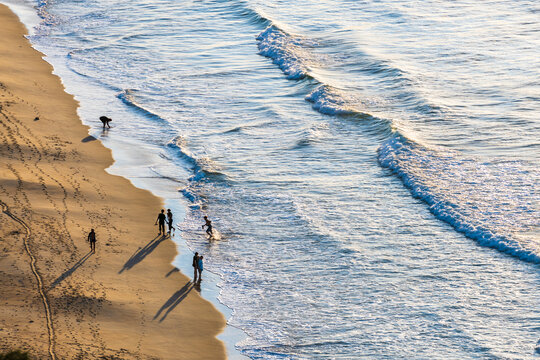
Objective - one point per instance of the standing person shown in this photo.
(208, 225)
(92, 240)
(195, 265)
(170, 220)
(161, 220)
(200, 267)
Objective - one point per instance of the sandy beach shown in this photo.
(59, 301)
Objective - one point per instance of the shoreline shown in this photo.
(116, 302)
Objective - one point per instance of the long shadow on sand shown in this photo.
(141, 253)
(67, 273)
(174, 270)
(173, 301)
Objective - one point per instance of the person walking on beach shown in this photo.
(170, 220)
(200, 267)
(195, 265)
(208, 225)
(161, 220)
(92, 240)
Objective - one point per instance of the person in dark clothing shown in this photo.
(200, 267)
(92, 240)
(208, 225)
(195, 265)
(161, 220)
(170, 220)
(105, 120)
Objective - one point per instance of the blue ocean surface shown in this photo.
(371, 167)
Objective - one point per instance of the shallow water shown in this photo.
(371, 167)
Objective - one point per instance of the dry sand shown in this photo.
(58, 300)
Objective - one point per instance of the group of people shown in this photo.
(197, 267)
(197, 260)
(161, 220)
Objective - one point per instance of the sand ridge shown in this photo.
(60, 301)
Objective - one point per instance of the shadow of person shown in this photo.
(173, 301)
(141, 253)
(197, 286)
(68, 273)
(172, 272)
(88, 139)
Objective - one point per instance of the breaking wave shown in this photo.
(490, 204)
(463, 192)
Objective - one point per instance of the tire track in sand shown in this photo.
(45, 300)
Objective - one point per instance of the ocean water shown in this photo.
(372, 167)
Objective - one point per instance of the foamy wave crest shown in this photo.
(192, 197)
(288, 52)
(178, 145)
(329, 101)
(128, 97)
(42, 7)
(490, 204)
(202, 167)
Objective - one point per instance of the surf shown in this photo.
(419, 165)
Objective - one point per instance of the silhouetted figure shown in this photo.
(195, 265)
(170, 220)
(105, 120)
(161, 220)
(208, 226)
(200, 267)
(92, 240)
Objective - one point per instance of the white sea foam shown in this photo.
(490, 203)
(465, 194)
(330, 101)
(287, 51)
